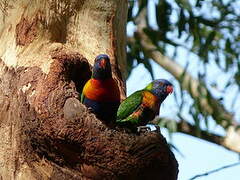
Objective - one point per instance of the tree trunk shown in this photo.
(46, 52)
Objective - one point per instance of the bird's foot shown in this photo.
(148, 128)
(155, 128)
(143, 129)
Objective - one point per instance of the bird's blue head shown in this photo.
(160, 88)
(102, 67)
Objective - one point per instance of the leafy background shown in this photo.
(196, 45)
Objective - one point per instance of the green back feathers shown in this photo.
(149, 87)
(129, 105)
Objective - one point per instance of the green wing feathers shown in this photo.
(129, 105)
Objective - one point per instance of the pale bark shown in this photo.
(31, 30)
(45, 51)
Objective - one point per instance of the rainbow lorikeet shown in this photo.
(143, 105)
(101, 93)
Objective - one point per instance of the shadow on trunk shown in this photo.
(59, 139)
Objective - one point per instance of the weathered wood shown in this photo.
(47, 139)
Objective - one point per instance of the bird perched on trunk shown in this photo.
(101, 93)
(142, 106)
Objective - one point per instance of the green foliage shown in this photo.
(163, 12)
(211, 34)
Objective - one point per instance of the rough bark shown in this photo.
(49, 134)
(46, 51)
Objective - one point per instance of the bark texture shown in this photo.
(53, 136)
(46, 52)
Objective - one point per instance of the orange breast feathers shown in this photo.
(102, 90)
(149, 100)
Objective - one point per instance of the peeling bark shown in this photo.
(26, 31)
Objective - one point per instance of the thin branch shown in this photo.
(189, 129)
(215, 170)
(196, 89)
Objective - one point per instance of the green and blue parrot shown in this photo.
(101, 93)
(143, 105)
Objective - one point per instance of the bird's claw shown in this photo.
(143, 129)
(148, 128)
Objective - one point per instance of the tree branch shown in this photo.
(215, 170)
(198, 91)
(195, 88)
(189, 129)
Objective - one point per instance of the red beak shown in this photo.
(103, 63)
(169, 89)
